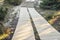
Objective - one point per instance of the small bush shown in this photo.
(48, 17)
(3, 12)
(1, 28)
(14, 2)
(50, 4)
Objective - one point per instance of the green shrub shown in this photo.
(1, 28)
(14, 2)
(48, 16)
(50, 4)
(3, 12)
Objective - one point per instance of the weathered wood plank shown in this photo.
(24, 30)
(45, 30)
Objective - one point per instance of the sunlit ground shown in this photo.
(3, 36)
(1, 0)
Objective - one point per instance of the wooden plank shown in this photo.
(24, 30)
(45, 30)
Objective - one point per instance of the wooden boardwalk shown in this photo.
(30, 19)
(45, 30)
(24, 30)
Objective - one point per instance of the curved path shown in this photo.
(32, 26)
